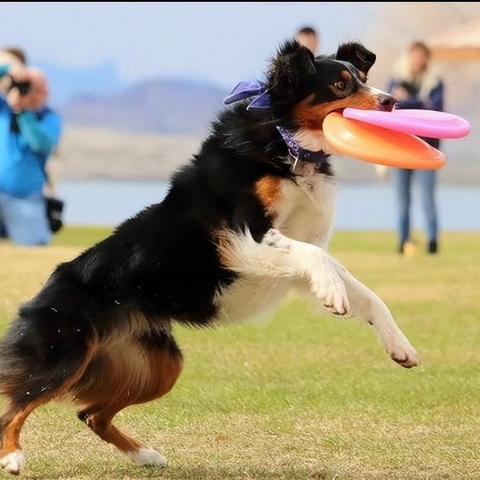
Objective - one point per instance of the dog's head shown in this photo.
(304, 89)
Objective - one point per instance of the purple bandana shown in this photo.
(249, 89)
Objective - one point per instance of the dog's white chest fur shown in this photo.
(306, 210)
(303, 213)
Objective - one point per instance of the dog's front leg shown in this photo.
(279, 257)
(367, 305)
(307, 265)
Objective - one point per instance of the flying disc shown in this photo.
(379, 145)
(425, 123)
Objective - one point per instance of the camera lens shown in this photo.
(23, 87)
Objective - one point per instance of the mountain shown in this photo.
(165, 105)
(66, 83)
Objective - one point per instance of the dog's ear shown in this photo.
(356, 54)
(291, 70)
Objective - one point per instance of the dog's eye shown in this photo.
(342, 88)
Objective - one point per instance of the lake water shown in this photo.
(359, 207)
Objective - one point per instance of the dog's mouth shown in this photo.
(371, 100)
(310, 115)
(379, 107)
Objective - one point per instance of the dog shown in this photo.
(249, 218)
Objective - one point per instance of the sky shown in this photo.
(222, 42)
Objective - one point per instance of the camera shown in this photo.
(23, 87)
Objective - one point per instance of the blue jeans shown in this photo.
(403, 189)
(24, 220)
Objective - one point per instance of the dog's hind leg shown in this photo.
(122, 374)
(28, 389)
(101, 423)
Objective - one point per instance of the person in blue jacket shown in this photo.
(29, 133)
(416, 85)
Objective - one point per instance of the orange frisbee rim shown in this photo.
(379, 145)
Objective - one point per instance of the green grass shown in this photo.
(302, 396)
(78, 236)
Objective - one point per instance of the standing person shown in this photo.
(416, 85)
(309, 37)
(29, 132)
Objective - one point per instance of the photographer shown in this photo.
(29, 133)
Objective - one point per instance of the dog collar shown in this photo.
(258, 89)
(299, 153)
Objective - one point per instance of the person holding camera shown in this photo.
(29, 133)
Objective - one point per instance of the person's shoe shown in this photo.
(432, 247)
(407, 248)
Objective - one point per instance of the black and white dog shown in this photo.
(248, 219)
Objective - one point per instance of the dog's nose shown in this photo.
(386, 102)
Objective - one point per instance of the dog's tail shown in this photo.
(40, 354)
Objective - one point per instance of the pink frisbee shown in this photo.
(424, 123)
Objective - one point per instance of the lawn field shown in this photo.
(300, 396)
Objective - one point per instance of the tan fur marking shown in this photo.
(117, 380)
(225, 248)
(133, 376)
(268, 191)
(311, 116)
(111, 434)
(11, 435)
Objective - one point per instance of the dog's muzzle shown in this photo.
(385, 102)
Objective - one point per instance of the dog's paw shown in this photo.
(329, 287)
(404, 354)
(13, 462)
(147, 457)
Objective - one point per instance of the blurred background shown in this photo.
(139, 83)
